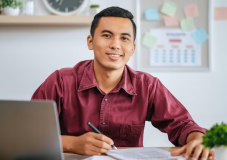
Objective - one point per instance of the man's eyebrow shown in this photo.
(105, 30)
(127, 34)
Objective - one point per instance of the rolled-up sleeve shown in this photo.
(51, 89)
(170, 116)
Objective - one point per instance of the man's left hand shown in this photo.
(194, 146)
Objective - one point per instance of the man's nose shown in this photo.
(115, 43)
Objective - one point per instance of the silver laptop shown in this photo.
(29, 130)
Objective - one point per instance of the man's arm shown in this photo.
(89, 143)
(51, 89)
(169, 115)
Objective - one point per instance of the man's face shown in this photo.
(113, 42)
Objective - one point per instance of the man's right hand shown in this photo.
(87, 144)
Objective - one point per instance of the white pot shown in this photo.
(11, 11)
(220, 153)
(94, 11)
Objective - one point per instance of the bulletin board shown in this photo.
(143, 53)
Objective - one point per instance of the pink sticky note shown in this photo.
(171, 21)
(220, 13)
(191, 11)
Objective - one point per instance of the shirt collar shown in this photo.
(89, 81)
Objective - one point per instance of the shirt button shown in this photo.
(106, 100)
(103, 123)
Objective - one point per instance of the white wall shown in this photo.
(29, 54)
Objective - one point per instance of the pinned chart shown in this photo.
(178, 38)
(174, 48)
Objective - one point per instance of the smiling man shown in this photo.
(115, 98)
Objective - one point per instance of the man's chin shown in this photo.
(114, 67)
(110, 65)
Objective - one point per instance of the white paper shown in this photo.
(143, 153)
(69, 156)
(175, 48)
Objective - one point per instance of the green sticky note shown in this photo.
(149, 40)
(187, 24)
(169, 8)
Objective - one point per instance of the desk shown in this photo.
(170, 149)
(72, 156)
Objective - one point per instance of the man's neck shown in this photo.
(107, 79)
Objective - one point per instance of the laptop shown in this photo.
(29, 130)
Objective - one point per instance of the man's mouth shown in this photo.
(113, 55)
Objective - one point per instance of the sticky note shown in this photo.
(187, 24)
(171, 21)
(169, 8)
(149, 40)
(221, 13)
(191, 11)
(200, 36)
(152, 14)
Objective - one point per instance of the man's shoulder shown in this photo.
(141, 76)
(78, 69)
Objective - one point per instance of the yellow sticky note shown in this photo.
(149, 40)
(169, 8)
(187, 24)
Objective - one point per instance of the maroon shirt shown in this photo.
(120, 114)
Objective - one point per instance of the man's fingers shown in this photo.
(189, 150)
(198, 150)
(205, 154)
(98, 150)
(101, 144)
(212, 155)
(104, 138)
(91, 153)
(178, 151)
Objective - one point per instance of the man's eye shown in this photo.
(124, 38)
(106, 35)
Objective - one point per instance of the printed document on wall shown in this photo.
(175, 48)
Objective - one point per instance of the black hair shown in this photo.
(112, 12)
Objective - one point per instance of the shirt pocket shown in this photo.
(131, 135)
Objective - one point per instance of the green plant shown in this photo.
(11, 3)
(216, 136)
(94, 6)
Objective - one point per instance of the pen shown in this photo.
(97, 131)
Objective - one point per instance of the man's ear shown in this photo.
(90, 42)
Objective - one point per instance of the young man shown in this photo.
(116, 99)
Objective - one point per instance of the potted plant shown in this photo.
(94, 9)
(216, 139)
(11, 7)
